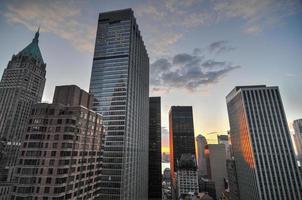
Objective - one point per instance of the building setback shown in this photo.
(120, 84)
(60, 153)
(261, 143)
(21, 86)
(155, 176)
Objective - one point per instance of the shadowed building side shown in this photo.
(155, 175)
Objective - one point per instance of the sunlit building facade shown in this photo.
(298, 138)
(120, 84)
(261, 144)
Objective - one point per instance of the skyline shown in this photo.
(256, 48)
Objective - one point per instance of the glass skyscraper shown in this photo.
(261, 143)
(155, 176)
(120, 84)
(181, 138)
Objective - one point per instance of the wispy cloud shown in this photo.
(258, 14)
(187, 71)
(57, 17)
(220, 47)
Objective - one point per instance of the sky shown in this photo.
(199, 49)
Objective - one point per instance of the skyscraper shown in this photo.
(155, 176)
(21, 86)
(298, 138)
(60, 153)
(181, 130)
(216, 166)
(181, 133)
(120, 84)
(261, 144)
(202, 166)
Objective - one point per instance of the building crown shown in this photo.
(33, 49)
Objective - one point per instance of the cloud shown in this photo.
(187, 71)
(258, 14)
(59, 18)
(220, 47)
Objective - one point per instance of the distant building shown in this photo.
(186, 178)
(165, 157)
(298, 138)
(207, 186)
(155, 173)
(264, 156)
(224, 139)
(167, 174)
(60, 153)
(232, 180)
(216, 166)
(202, 165)
(120, 83)
(21, 86)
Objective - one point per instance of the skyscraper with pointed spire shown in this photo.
(21, 86)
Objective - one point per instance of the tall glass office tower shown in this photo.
(120, 84)
(155, 173)
(261, 143)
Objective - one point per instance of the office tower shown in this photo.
(232, 178)
(181, 130)
(201, 164)
(21, 86)
(120, 84)
(186, 178)
(298, 138)
(216, 166)
(261, 144)
(224, 139)
(60, 153)
(155, 176)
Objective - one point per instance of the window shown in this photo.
(48, 180)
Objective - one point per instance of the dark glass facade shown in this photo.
(155, 176)
(120, 84)
(181, 134)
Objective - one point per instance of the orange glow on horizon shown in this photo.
(165, 149)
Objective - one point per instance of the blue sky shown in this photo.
(199, 49)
